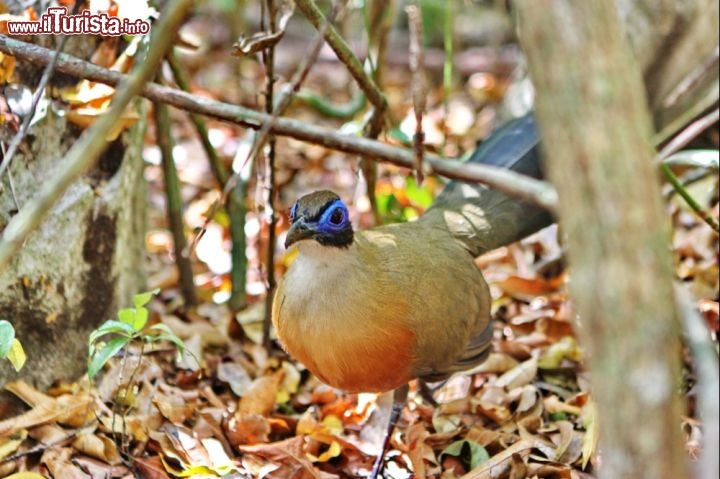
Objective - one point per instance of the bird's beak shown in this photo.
(298, 231)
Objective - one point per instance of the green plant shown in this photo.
(10, 347)
(129, 327)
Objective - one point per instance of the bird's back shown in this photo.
(483, 218)
(448, 302)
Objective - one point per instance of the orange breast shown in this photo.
(357, 354)
(376, 364)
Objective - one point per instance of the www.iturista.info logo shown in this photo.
(56, 21)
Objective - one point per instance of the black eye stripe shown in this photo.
(322, 210)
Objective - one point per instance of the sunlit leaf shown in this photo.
(140, 320)
(127, 316)
(10, 446)
(16, 355)
(140, 300)
(420, 196)
(25, 475)
(334, 449)
(390, 208)
(566, 348)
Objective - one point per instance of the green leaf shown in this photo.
(398, 135)
(179, 344)
(140, 300)
(409, 213)
(141, 318)
(558, 416)
(111, 326)
(162, 328)
(389, 208)
(7, 335)
(470, 452)
(16, 355)
(418, 195)
(136, 318)
(103, 355)
(127, 316)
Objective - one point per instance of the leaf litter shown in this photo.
(241, 411)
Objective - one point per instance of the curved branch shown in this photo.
(534, 191)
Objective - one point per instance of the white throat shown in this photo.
(316, 267)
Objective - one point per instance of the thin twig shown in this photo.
(283, 102)
(534, 191)
(13, 194)
(678, 142)
(236, 204)
(688, 134)
(219, 171)
(704, 215)
(448, 61)
(40, 447)
(685, 117)
(708, 388)
(378, 29)
(688, 179)
(174, 207)
(693, 78)
(328, 108)
(268, 55)
(417, 64)
(84, 153)
(344, 53)
(379, 16)
(268, 126)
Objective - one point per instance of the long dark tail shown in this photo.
(483, 218)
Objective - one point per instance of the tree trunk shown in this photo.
(597, 135)
(83, 262)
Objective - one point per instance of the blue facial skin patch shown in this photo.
(334, 219)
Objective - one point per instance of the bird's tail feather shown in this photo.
(483, 218)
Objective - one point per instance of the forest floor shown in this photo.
(231, 407)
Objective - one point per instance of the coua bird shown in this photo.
(368, 311)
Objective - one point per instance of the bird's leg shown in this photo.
(426, 391)
(399, 400)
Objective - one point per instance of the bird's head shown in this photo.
(322, 217)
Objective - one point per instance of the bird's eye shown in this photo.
(337, 216)
(293, 213)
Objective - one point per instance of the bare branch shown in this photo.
(534, 191)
